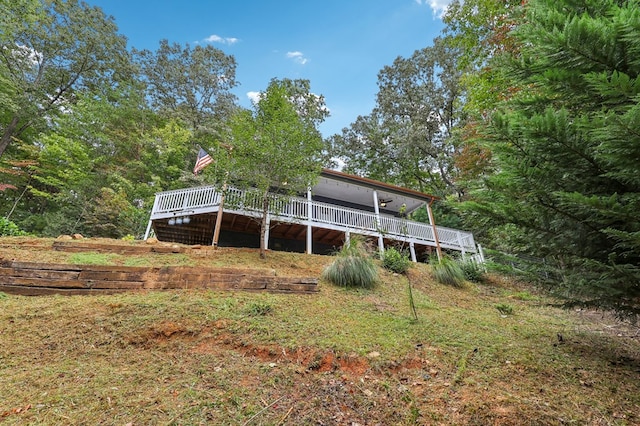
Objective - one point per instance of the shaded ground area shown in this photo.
(337, 357)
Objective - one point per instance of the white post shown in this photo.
(153, 209)
(309, 219)
(464, 253)
(148, 231)
(376, 209)
(412, 249)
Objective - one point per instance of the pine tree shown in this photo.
(566, 149)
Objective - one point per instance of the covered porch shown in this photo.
(336, 208)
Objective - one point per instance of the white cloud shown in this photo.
(439, 7)
(297, 57)
(214, 38)
(254, 97)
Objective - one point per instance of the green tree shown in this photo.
(111, 215)
(63, 185)
(51, 50)
(110, 147)
(409, 139)
(566, 150)
(190, 84)
(481, 30)
(277, 146)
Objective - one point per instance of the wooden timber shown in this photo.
(33, 278)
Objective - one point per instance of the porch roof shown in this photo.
(359, 190)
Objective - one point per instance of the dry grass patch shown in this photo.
(336, 357)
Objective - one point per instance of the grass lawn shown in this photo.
(493, 353)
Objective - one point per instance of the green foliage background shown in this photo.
(522, 116)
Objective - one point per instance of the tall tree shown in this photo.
(53, 48)
(191, 84)
(277, 145)
(409, 137)
(481, 30)
(101, 162)
(566, 149)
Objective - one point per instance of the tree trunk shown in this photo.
(264, 224)
(8, 133)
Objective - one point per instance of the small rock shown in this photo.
(151, 241)
(374, 354)
(77, 236)
(64, 237)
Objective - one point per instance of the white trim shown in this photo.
(312, 214)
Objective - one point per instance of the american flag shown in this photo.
(203, 161)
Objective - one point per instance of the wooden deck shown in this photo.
(330, 224)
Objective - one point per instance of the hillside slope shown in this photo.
(332, 358)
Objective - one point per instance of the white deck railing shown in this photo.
(206, 199)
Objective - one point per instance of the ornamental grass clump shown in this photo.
(448, 272)
(353, 267)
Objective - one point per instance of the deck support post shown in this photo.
(309, 218)
(432, 222)
(481, 253)
(148, 231)
(216, 229)
(153, 209)
(464, 253)
(412, 250)
(347, 238)
(376, 209)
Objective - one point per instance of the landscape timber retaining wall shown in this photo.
(32, 278)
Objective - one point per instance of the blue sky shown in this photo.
(338, 45)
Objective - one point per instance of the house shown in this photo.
(338, 206)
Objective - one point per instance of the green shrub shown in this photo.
(525, 295)
(472, 271)
(505, 309)
(395, 261)
(353, 267)
(10, 229)
(448, 272)
(259, 309)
